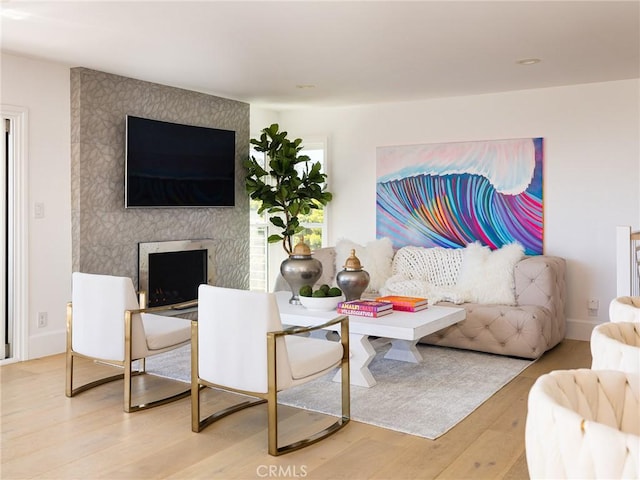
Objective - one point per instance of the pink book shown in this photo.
(365, 305)
(405, 308)
(363, 313)
(399, 300)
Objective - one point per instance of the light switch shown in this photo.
(38, 210)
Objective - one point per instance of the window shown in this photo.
(315, 222)
(262, 270)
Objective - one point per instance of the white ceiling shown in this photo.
(262, 52)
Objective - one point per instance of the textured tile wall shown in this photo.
(105, 235)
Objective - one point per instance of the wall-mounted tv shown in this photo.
(172, 165)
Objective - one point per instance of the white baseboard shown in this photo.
(579, 329)
(43, 345)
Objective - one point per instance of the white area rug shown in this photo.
(425, 399)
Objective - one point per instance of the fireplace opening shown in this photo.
(174, 277)
(171, 272)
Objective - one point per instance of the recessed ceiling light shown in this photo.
(305, 85)
(528, 61)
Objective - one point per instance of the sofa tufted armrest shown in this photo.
(540, 280)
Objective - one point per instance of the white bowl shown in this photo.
(321, 303)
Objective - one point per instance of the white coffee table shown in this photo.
(404, 329)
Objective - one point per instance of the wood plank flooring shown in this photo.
(48, 436)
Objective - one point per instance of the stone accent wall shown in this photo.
(105, 234)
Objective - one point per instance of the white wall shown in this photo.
(43, 89)
(591, 169)
(260, 118)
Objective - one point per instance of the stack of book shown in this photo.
(365, 308)
(405, 304)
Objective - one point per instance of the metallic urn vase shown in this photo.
(300, 269)
(353, 280)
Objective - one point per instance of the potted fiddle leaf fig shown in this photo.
(288, 186)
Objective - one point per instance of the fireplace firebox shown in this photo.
(170, 272)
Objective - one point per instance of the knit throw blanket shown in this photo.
(426, 272)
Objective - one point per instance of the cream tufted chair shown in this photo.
(625, 309)
(616, 346)
(584, 424)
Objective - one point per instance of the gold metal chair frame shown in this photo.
(271, 397)
(126, 364)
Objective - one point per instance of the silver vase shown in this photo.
(352, 283)
(353, 280)
(300, 270)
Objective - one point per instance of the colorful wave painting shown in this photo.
(453, 194)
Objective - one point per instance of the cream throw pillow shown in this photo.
(487, 276)
(375, 257)
(326, 256)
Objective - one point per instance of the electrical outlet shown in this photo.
(592, 306)
(43, 319)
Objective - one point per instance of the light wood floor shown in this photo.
(48, 436)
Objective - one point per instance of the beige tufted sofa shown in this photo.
(528, 329)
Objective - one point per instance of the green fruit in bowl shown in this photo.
(305, 291)
(325, 288)
(334, 292)
(319, 293)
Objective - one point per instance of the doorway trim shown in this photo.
(18, 236)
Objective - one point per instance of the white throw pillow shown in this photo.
(326, 256)
(375, 257)
(487, 276)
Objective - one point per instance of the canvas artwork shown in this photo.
(453, 194)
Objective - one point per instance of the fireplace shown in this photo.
(170, 272)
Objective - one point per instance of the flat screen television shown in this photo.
(171, 165)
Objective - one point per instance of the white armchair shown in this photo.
(625, 309)
(106, 324)
(584, 424)
(239, 345)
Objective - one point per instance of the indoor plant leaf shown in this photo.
(291, 186)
